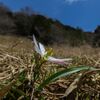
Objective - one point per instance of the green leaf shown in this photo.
(63, 73)
(20, 92)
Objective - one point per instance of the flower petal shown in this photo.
(58, 61)
(35, 42)
(43, 52)
(37, 49)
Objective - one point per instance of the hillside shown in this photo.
(26, 22)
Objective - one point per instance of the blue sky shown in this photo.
(77, 13)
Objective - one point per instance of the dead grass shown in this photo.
(16, 55)
(64, 50)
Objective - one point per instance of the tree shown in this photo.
(6, 22)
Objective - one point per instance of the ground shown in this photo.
(16, 54)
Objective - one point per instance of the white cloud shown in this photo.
(72, 1)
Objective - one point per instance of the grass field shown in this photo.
(16, 55)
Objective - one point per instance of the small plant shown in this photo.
(42, 56)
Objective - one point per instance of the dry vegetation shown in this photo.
(16, 56)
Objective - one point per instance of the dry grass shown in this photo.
(16, 55)
(64, 50)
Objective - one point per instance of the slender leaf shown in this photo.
(63, 73)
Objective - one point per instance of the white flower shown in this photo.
(39, 48)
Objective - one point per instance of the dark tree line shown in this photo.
(26, 22)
